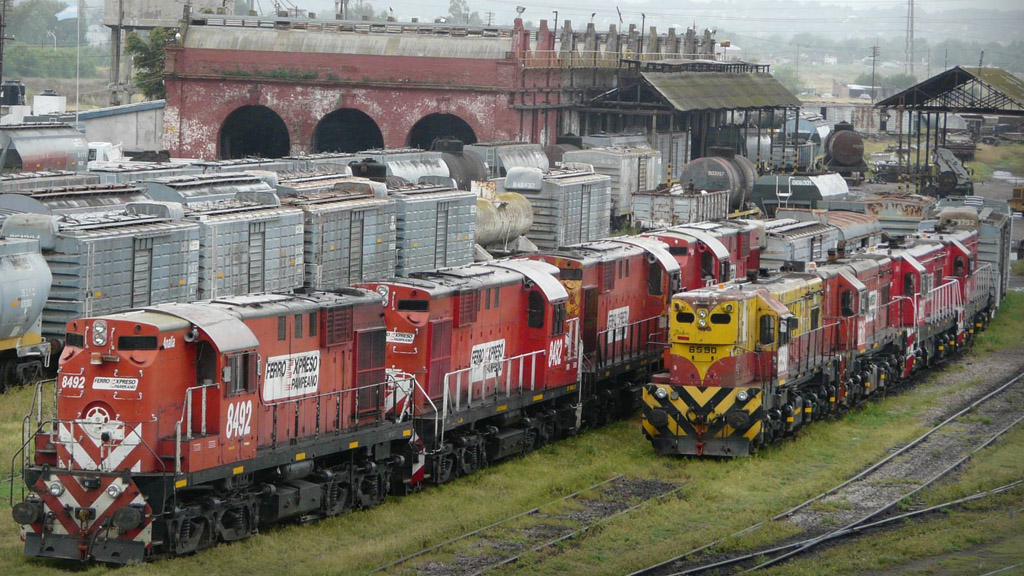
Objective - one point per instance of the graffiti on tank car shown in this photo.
(291, 375)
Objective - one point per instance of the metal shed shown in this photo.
(107, 262)
(570, 205)
(349, 234)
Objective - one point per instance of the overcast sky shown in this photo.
(749, 16)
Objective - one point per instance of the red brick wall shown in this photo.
(205, 86)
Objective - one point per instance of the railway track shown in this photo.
(506, 541)
(855, 504)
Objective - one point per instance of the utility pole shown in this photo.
(3, 35)
(908, 66)
(981, 59)
(874, 57)
(798, 62)
(490, 18)
(115, 49)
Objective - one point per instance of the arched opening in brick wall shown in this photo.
(347, 130)
(434, 126)
(254, 131)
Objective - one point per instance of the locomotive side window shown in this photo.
(908, 283)
(558, 319)
(570, 273)
(627, 268)
(846, 303)
(282, 328)
(815, 317)
(684, 317)
(678, 250)
(407, 305)
(767, 330)
(707, 265)
(654, 281)
(721, 318)
(535, 310)
(239, 373)
(312, 323)
(298, 325)
(496, 292)
(958, 266)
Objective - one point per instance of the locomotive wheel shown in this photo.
(469, 459)
(444, 468)
(236, 523)
(190, 534)
(6, 376)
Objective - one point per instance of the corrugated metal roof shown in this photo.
(260, 40)
(688, 91)
(947, 91)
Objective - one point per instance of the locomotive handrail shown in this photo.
(27, 435)
(186, 416)
(504, 367)
(627, 347)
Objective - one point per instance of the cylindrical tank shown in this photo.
(26, 286)
(369, 168)
(464, 168)
(555, 152)
(845, 146)
(722, 171)
(506, 217)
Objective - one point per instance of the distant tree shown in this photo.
(31, 22)
(458, 13)
(149, 59)
(359, 9)
(788, 77)
(899, 81)
(864, 78)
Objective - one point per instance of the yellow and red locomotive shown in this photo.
(750, 361)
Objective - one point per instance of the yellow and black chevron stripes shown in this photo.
(702, 413)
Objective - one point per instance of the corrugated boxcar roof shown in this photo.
(266, 40)
(688, 91)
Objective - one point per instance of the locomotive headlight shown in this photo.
(702, 313)
(99, 333)
(702, 323)
(660, 393)
(742, 396)
(114, 491)
(56, 488)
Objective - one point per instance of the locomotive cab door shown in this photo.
(240, 378)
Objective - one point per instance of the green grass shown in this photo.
(1004, 332)
(988, 159)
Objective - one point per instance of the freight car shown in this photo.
(756, 360)
(844, 152)
(570, 205)
(631, 169)
(107, 262)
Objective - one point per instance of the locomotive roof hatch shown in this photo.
(656, 249)
(226, 331)
(544, 275)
